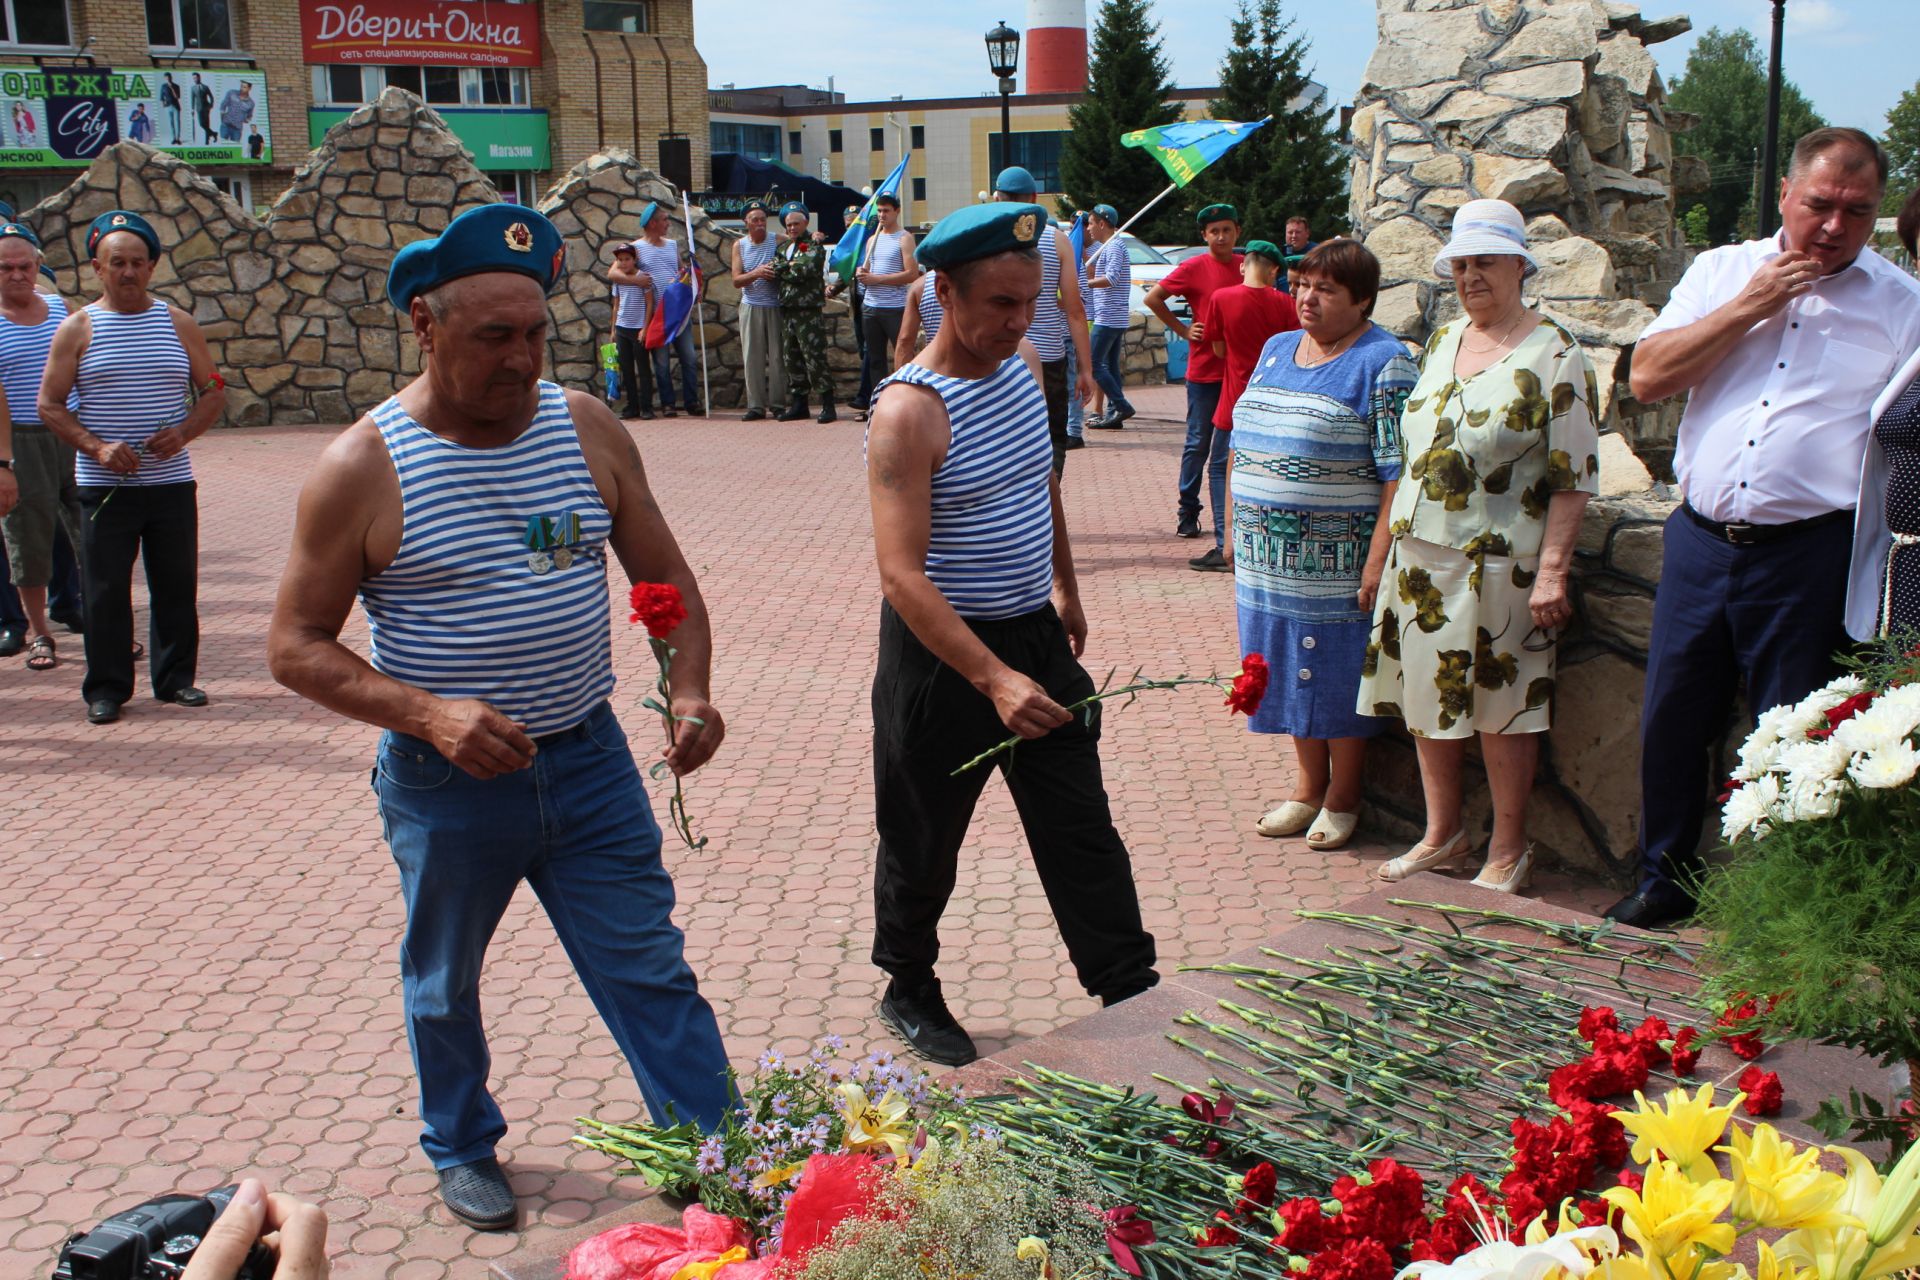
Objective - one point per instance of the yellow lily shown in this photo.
(1847, 1252)
(1773, 1267)
(873, 1124)
(1632, 1266)
(1671, 1214)
(1684, 1132)
(1779, 1186)
(705, 1270)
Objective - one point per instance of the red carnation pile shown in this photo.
(1745, 1044)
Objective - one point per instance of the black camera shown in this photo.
(154, 1241)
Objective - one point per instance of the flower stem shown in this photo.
(1137, 686)
(676, 806)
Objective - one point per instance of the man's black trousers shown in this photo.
(636, 368)
(159, 524)
(927, 722)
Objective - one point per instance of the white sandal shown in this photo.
(1290, 819)
(1331, 830)
(1516, 877)
(1424, 857)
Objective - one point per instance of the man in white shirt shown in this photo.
(1782, 345)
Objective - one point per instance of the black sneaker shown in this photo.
(477, 1193)
(1075, 442)
(753, 415)
(1212, 562)
(922, 1020)
(1188, 528)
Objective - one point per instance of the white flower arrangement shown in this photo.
(1799, 766)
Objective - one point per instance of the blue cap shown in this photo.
(1107, 213)
(120, 220)
(1016, 181)
(493, 237)
(980, 231)
(18, 231)
(793, 207)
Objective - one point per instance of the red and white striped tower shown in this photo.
(1056, 46)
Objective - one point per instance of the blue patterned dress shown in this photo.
(1311, 449)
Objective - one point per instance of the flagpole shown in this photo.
(693, 257)
(1171, 188)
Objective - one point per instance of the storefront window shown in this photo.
(35, 22)
(340, 86)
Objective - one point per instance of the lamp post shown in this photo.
(1003, 56)
(1770, 149)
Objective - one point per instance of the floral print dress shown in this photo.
(1454, 650)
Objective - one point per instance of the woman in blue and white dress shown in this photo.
(1316, 458)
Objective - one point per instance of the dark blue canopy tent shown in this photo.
(738, 179)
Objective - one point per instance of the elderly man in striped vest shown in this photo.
(980, 636)
(473, 514)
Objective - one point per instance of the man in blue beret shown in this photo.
(981, 634)
(1059, 316)
(472, 514)
(144, 387)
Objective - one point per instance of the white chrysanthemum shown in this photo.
(1813, 763)
(1880, 726)
(1801, 719)
(1892, 766)
(1904, 696)
(1810, 800)
(1746, 811)
(1839, 689)
(1758, 756)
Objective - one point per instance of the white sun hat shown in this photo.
(1485, 227)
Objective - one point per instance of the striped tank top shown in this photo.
(1112, 306)
(931, 312)
(23, 360)
(886, 259)
(499, 588)
(630, 306)
(990, 546)
(133, 380)
(760, 293)
(1048, 332)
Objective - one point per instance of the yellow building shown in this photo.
(243, 89)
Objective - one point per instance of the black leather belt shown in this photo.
(1742, 534)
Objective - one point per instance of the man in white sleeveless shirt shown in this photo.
(473, 514)
(980, 636)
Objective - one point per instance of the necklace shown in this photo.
(1499, 342)
(1329, 354)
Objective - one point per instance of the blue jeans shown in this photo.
(1076, 412)
(1107, 341)
(576, 826)
(1202, 452)
(1219, 462)
(682, 347)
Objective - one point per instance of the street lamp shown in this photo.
(1770, 151)
(1003, 56)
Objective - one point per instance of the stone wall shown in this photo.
(1555, 106)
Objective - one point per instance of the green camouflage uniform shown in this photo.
(800, 280)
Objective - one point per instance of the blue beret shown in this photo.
(792, 207)
(18, 231)
(646, 214)
(1218, 213)
(47, 271)
(6, 211)
(120, 220)
(1108, 213)
(761, 205)
(1015, 181)
(493, 237)
(980, 231)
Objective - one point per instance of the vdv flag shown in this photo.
(853, 242)
(1077, 237)
(1186, 148)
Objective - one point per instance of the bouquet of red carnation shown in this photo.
(658, 607)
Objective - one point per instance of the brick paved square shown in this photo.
(199, 930)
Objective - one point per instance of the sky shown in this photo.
(1853, 58)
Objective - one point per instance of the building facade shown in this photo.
(243, 89)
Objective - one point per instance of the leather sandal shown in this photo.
(41, 655)
(1424, 857)
(1331, 830)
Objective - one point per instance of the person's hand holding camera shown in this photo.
(294, 1230)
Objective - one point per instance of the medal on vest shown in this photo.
(548, 539)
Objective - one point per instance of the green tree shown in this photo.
(1694, 224)
(1294, 165)
(1725, 85)
(1902, 142)
(1127, 88)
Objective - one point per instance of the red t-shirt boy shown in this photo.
(1238, 321)
(1196, 280)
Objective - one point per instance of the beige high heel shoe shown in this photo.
(1516, 878)
(1423, 857)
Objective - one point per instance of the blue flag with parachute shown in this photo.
(853, 244)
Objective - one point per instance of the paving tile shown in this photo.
(198, 940)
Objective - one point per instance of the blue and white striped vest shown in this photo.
(1048, 332)
(931, 312)
(499, 588)
(23, 359)
(885, 259)
(133, 380)
(760, 293)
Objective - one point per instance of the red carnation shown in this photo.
(1220, 1234)
(1365, 1259)
(657, 604)
(1632, 1181)
(1250, 686)
(1763, 1091)
(1595, 1020)
(1685, 1056)
(1257, 1189)
(1304, 1227)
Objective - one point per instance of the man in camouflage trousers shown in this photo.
(800, 278)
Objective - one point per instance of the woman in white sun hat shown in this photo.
(1501, 456)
